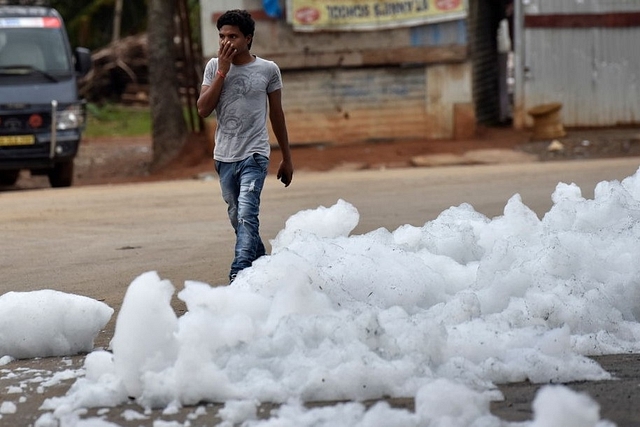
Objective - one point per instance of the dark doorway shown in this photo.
(491, 57)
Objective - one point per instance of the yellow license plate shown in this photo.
(17, 140)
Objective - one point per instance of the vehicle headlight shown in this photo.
(72, 117)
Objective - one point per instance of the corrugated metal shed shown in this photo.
(585, 55)
(580, 6)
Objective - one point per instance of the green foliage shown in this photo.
(121, 120)
(117, 120)
(194, 20)
(90, 22)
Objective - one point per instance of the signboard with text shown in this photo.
(354, 15)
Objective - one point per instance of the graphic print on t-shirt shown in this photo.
(242, 109)
(233, 98)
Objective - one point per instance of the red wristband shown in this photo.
(221, 74)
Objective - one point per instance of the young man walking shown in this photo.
(243, 89)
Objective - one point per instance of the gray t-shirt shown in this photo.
(242, 110)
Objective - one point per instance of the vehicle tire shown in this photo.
(62, 174)
(9, 177)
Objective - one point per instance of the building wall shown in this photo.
(363, 86)
(341, 106)
(586, 56)
(276, 40)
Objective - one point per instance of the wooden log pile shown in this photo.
(120, 73)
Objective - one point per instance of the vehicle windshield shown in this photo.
(41, 50)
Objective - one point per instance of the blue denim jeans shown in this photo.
(241, 183)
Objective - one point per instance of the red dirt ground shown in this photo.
(111, 160)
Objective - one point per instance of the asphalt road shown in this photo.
(95, 240)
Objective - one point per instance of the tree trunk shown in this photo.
(117, 21)
(169, 130)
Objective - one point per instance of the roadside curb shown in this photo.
(474, 157)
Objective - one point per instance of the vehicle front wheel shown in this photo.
(62, 174)
(9, 177)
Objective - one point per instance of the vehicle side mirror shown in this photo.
(83, 60)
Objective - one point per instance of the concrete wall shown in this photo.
(374, 105)
(365, 86)
(276, 40)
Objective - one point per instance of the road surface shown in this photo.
(95, 240)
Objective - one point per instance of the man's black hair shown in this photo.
(238, 18)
